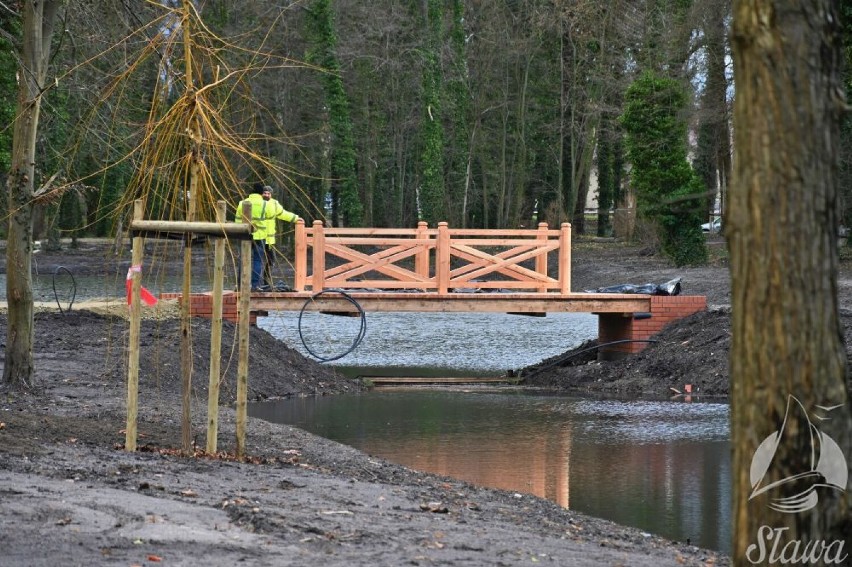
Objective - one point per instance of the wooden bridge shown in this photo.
(456, 270)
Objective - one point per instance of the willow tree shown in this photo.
(788, 361)
(34, 53)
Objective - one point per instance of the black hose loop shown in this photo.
(361, 331)
(73, 288)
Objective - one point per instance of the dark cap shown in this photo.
(257, 188)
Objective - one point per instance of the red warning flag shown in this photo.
(145, 295)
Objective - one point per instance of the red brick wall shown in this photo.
(201, 305)
(635, 326)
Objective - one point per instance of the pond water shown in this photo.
(663, 467)
(454, 343)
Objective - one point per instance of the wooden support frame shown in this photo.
(139, 228)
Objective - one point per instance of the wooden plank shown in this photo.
(463, 302)
(564, 263)
(380, 284)
(353, 241)
(318, 241)
(499, 241)
(422, 380)
(541, 259)
(457, 284)
(301, 260)
(339, 231)
(499, 232)
(218, 229)
(442, 258)
(421, 260)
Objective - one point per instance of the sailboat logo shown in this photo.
(827, 463)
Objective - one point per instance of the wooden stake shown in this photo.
(186, 327)
(243, 330)
(135, 322)
(216, 335)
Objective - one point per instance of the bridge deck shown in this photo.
(458, 302)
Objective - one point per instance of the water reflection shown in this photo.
(660, 466)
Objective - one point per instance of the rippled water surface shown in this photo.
(483, 343)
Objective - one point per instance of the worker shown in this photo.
(271, 232)
(262, 212)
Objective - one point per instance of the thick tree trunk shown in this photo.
(38, 29)
(782, 225)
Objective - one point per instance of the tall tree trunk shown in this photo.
(39, 17)
(347, 202)
(782, 233)
(433, 193)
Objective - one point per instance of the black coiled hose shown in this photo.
(73, 288)
(361, 331)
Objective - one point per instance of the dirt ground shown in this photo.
(69, 495)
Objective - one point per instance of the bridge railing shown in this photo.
(438, 259)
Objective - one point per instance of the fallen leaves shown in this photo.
(292, 454)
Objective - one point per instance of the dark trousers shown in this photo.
(268, 261)
(257, 254)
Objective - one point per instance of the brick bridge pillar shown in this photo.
(641, 326)
(201, 305)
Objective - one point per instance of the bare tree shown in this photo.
(34, 52)
(782, 226)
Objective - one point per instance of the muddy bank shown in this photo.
(690, 354)
(71, 496)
